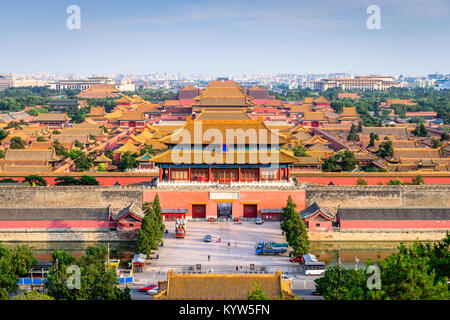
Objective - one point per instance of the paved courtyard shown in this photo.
(193, 250)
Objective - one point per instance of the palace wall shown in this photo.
(85, 196)
(331, 197)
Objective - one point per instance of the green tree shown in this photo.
(408, 275)
(60, 150)
(444, 136)
(420, 131)
(40, 139)
(98, 279)
(75, 153)
(298, 236)
(8, 279)
(373, 137)
(339, 283)
(147, 239)
(257, 293)
(66, 181)
(2, 154)
(147, 149)
(385, 149)
(56, 132)
(35, 180)
(17, 143)
(346, 160)
(88, 181)
(360, 127)
(299, 151)
(22, 259)
(128, 161)
(330, 165)
(157, 217)
(78, 144)
(287, 214)
(101, 167)
(394, 182)
(3, 134)
(32, 295)
(353, 133)
(361, 182)
(418, 180)
(83, 163)
(435, 143)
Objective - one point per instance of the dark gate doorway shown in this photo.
(224, 209)
(198, 211)
(250, 210)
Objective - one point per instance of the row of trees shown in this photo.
(294, 228)
(419, 272)
(395, 182)
(343, 160)
(98, 280)
(152, 227)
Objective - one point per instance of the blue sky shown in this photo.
(225, 37)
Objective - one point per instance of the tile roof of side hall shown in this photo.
(396, 213)
(400, 132)
(31, 154)
(423, 153)
(52, 117)
(313, 116)
(222, 286)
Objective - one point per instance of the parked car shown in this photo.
(148, 287)
(207, 238)
(315, 293)
(297, 259)
(153, 291)
(259, 221)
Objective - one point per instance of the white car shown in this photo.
(153, 291)
(259, 221)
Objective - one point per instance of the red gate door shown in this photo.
(198, 211)
(250, 210)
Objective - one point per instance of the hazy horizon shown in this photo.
(221, 39)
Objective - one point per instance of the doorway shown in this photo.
(224, 209)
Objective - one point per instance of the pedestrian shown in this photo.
(237, 268)
(208, 257)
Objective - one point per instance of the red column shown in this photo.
(288, 171)
(209, 174)
(279, 174)
(160, 174)
(189, 174)
(169, 175)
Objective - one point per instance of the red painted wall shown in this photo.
(263, 199)
(395, 224)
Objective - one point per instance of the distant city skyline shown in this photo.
(215, 38)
